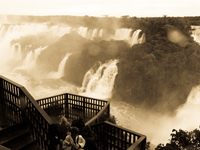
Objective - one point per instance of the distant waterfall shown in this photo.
(99, 82)
(196, 37)
(10, 32)
(196, 33)
(31, 58)
(83, 31)
(134, 39)
(127, 35)
(60, 72)
(90, 34)
(60, 30)
(123, 34)
(16, 51)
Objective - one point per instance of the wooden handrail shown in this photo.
(98, 114)
(138, 142)
(71, 94)
(37, 106)
(125, 129)
(109, 133)
(33, 101)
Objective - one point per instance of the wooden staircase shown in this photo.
(17, 137)
(14, 136)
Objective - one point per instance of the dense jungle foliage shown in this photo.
(160, 71)
(182, 140)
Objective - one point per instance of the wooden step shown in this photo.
(18, 137)
(12, 132)
(4, 121)
(32, 146)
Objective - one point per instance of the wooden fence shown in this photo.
(113, 137)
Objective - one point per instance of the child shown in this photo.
(73, 141)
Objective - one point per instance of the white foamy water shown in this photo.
(100, 83)
(61, 67)
(196, 33)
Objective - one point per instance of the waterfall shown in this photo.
(196, 33)
(17, 31)
(99, 82)
(100, 34)
(2, 31)
(90, 34)
(82, 31)
(122, 34)
(60, 72)
(134, 39)
(196, 37)
(16, 51)
(8, 32)
(30, 60)
(94, 34)
(12, 32)
(125, 34)
(60, 31)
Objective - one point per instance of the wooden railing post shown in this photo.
(53, 133)
(66, 106)
(84, 103)
(108, 110)
(1, 89)
(143, 144)
(2, 101)
(104, 134)
(23, 103)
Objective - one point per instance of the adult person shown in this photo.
(90, 137)
(74, 141)
(59, 132)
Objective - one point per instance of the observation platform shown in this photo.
(27, 124)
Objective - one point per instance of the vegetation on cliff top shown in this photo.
(161, 72)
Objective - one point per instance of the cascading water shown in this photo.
(196, 33)
(125, 34)
(134, 39)
(30, 60)
(16, 51)
(15, 31)
(196, 37)
(122, 34)
(60, 72)
(83, 31)
(99, 82)
(60, 31)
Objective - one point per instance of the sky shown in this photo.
(138, 8)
